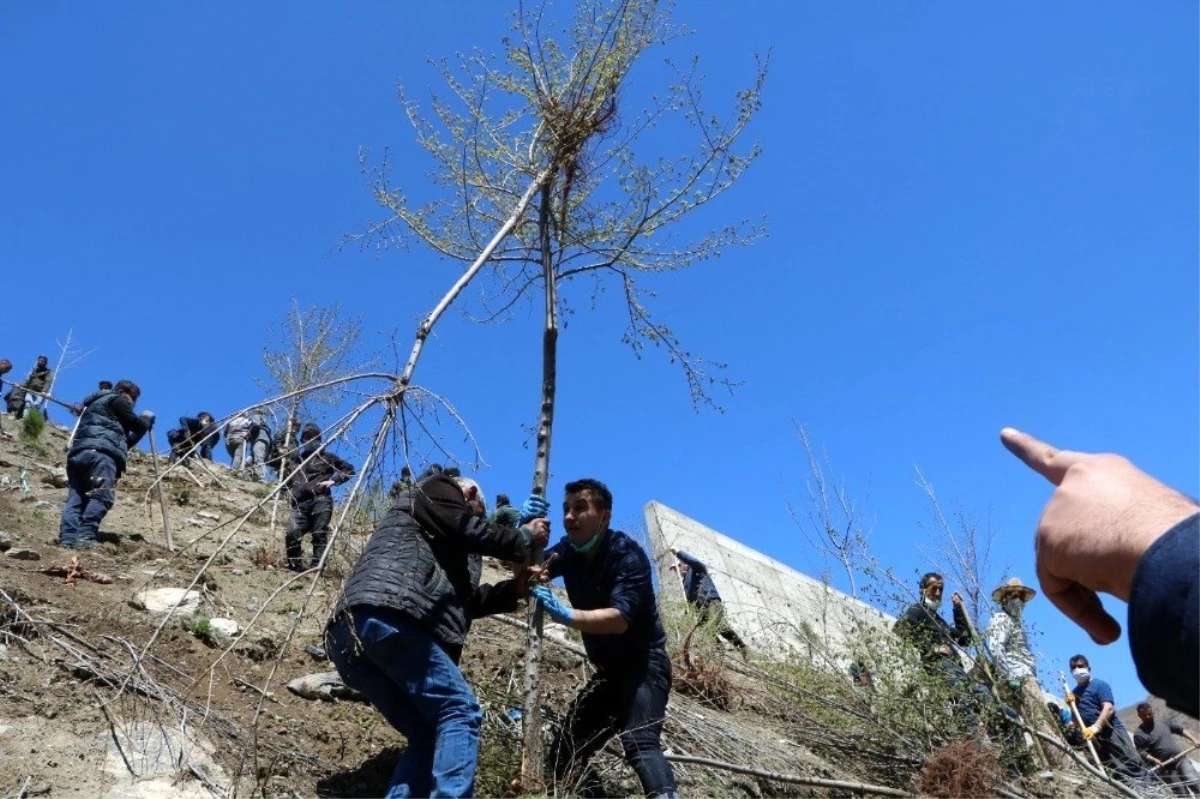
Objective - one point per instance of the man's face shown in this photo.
(41, 362)
(1146, 714)
(933, 590)
(582, 518)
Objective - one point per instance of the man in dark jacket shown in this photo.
(701, 592)
(195, 435)
(38, 380)
(398, 629)
(311, 474)
(282, 445)
(607, 576)
(96, 460)
(923, 627)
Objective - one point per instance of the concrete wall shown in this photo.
(774, 607)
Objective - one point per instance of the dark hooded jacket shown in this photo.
(108, 425)
(928, 631)
(194, 433)
(320, 468)
(422, 561)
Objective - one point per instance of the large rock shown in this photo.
(162, 600)
(17, 553)
(56, 478)
(325, 686)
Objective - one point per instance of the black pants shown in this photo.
(308, 516)
(629, 701)
(715, 610)
(1117, 753)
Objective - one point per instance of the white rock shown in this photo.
(227, 627)
(162, 600)
(204, 514)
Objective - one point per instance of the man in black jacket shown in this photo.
(96, 459)
(316, 472)
(196, 435)
(607, 576)
(398, 629)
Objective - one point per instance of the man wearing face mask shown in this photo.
(923, 626)
(607, 576)
(1094, 699)
(1008, 645)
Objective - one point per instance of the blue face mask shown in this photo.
(589, 544)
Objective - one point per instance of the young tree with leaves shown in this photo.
(531, 149)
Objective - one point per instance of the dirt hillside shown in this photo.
(102, 693)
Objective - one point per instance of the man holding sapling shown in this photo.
(607, 576)
(107, 429)
(398, 630)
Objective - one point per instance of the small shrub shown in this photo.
(203, 629)
(965, 767)
(265, 556)
(33, 424)
(183, 497)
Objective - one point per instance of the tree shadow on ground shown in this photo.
(369, 779)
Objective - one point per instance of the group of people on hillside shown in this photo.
(31, 392)
(399, 626)
(1090, 712)
(98, 450)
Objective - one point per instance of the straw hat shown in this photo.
(1013, 586)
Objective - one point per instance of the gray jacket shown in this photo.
(419, 561)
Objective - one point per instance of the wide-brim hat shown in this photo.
(1013, 586)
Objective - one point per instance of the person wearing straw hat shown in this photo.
(1007, 643)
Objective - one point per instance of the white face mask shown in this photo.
(931, 603)
(1081, 674)
(1014, 607)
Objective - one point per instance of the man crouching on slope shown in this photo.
(397, 631)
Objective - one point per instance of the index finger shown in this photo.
(1044, 459)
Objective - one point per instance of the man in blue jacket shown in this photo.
(1111, 527)
(701, 592)
(607, 576)
(398, 630)
(107, 429)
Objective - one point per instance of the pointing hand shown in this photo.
(1103, 515)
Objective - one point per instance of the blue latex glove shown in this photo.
(536, 507)
(557, 610)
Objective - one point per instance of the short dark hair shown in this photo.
(1078, 659)
(452, 471)
(1144, 706)
(106, 385)
(599, 491)
(502, 500)
(205, 414)
(128, 387)
(405, 471)
(928, 576)
(309, 430)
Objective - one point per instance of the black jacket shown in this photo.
(927, 631)
(324, 466)
(108, 425)
(194, 433)
(419, 562)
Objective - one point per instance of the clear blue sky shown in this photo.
(980, 215)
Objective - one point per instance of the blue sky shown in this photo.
(979, 216)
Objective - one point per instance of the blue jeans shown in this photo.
(90, 479)
(419, 689)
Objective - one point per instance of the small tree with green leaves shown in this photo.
(539, 169)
